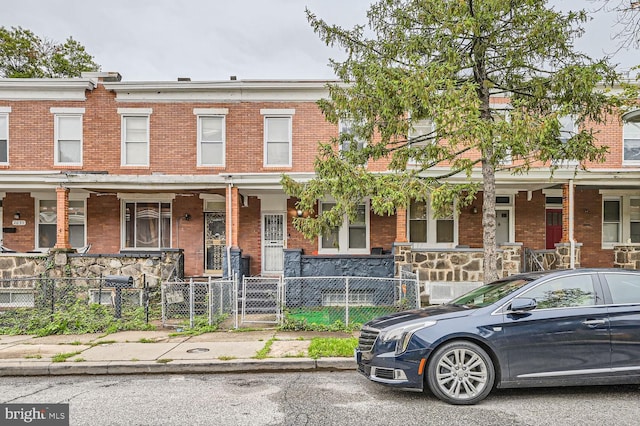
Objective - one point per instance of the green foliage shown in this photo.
(64, 356)
(264, 352)
(455, 63)
(201, 325)
(25, 55)
(332, 347)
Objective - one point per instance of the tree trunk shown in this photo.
(491, 272)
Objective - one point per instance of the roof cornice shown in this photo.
(46, 88)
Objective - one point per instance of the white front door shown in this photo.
(273, 242)
(502, 226)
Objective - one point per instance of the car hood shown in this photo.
(439, 312)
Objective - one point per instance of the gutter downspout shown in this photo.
(572, 241)
(230, 224)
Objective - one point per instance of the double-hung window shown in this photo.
(352, 236)
(352, 141)
(211, 136)
(277, 137)
(147, 225)
(631, 138)
(568, 128)
(421, 134)
(68, 136)
(47, 219)
(135, 136)
(426, 230)
(4, 134)
(620, 218)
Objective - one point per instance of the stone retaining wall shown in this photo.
(627, 257)
(152, 267)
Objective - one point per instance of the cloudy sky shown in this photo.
(214, 39)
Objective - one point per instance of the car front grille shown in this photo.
(367, 338)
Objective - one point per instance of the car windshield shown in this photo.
(489, 293)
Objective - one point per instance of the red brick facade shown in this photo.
(244, 182)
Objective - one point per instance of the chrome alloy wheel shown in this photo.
(461, 373)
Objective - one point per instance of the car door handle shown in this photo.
(594, 322)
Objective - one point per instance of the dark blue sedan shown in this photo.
(561, 328)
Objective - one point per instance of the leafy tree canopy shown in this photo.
(494, 76)
(25, 55)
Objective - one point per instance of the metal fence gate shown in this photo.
(261, 300)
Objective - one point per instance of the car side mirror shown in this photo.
(523, 304)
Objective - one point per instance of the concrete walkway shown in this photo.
(135, 352)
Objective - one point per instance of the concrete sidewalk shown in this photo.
(135, 352)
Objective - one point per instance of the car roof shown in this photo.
(530, 276)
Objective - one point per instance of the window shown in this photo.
(147, 225)
(68, 139)
(17, 299)
(4, 135)
(421, 133)
(47, 223)
(211, 136)
(568, 129)
(135, 136)
(631, 136)
(624, 288)
(351, 236)
(611, 221)
(564, 292)
(346, 128)
(277, 137)
(356, 298)
(424, 229)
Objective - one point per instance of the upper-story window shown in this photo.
(4, 134)
(346, 128)
(421, 133)
(631, 136)
(211, 136)
(277, 137)
(68, 135)
(568, 129)
(135, 136)
(351, 237)
(425, 229)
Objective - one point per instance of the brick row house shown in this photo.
(144, 167)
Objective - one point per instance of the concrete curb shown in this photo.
(45, 368)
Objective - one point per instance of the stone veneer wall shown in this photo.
(152, 267)
(627, 257)
(456, 265)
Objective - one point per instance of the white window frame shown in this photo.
(205, 113)
(343, 234)
(432, 224)
(568, 129)
(4, 114)
(623, 197)
(277, 114)
(503, 110)
(344, 126)
(425, 126)
(126, 198)
(126, 113)
(14, 304)
(631, 129)
(59, 113)
(39, 197)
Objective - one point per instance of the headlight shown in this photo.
(402, 335)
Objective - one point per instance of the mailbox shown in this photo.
(118, 282)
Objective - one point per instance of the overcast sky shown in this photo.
(151, 40)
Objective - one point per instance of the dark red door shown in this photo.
(554, 227)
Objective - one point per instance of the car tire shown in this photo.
(460, 373)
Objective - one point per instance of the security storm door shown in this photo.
(214, 241)
(273, 242)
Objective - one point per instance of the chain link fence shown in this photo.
(349, 301)
(42, 305)
(205, 302)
